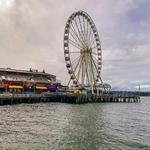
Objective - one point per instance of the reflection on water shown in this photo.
(94, 126)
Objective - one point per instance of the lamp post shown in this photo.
(139, 89)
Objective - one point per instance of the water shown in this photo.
(94, 126)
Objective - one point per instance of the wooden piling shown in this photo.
(68, 98)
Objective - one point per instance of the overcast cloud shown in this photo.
(31, 36)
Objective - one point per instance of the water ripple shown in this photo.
(56, 126)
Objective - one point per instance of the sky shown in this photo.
(31, 36)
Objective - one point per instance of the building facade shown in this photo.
(23, 81)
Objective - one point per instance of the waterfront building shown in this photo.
(23, 81)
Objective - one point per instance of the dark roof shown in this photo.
(24, 71)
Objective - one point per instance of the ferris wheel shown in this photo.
(82, 50)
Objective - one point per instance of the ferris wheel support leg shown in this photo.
(92, 89)
(69, 82)
(103, 84)
(97, 91)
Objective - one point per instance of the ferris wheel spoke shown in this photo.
(84, 25)
(74, 31)
(95, 59)
(78, 29)
(88, 30)
(94, 47)
(94, 53)
(76, 40)
(83, 71)
(92, 42)
(94, 75)
(92, 70)
(82, 30)
(74, 44)
(75, 52)
(87, 39)
(79, 70)
(85, 31)
(97, 71)
(81, 74)
(79, 32)
(75, 60)
(91, 38)
(90, 74)
(75, 68)
(94, 64)
(86, 69)
(87, 74)
(89, 35)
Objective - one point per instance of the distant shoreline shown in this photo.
(141, 93)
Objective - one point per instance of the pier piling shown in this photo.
(10, 99)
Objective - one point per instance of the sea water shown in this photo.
(60, 126)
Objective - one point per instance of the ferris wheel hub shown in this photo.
(84, 51)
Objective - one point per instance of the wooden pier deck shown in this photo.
(10, 99)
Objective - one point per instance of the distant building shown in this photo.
(18, 81)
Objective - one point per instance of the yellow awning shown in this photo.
(15, 87)
(41, 87)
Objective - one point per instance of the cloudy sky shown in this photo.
(31, 36)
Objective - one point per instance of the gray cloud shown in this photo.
(31, 35)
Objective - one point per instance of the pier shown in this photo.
(10, 99)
